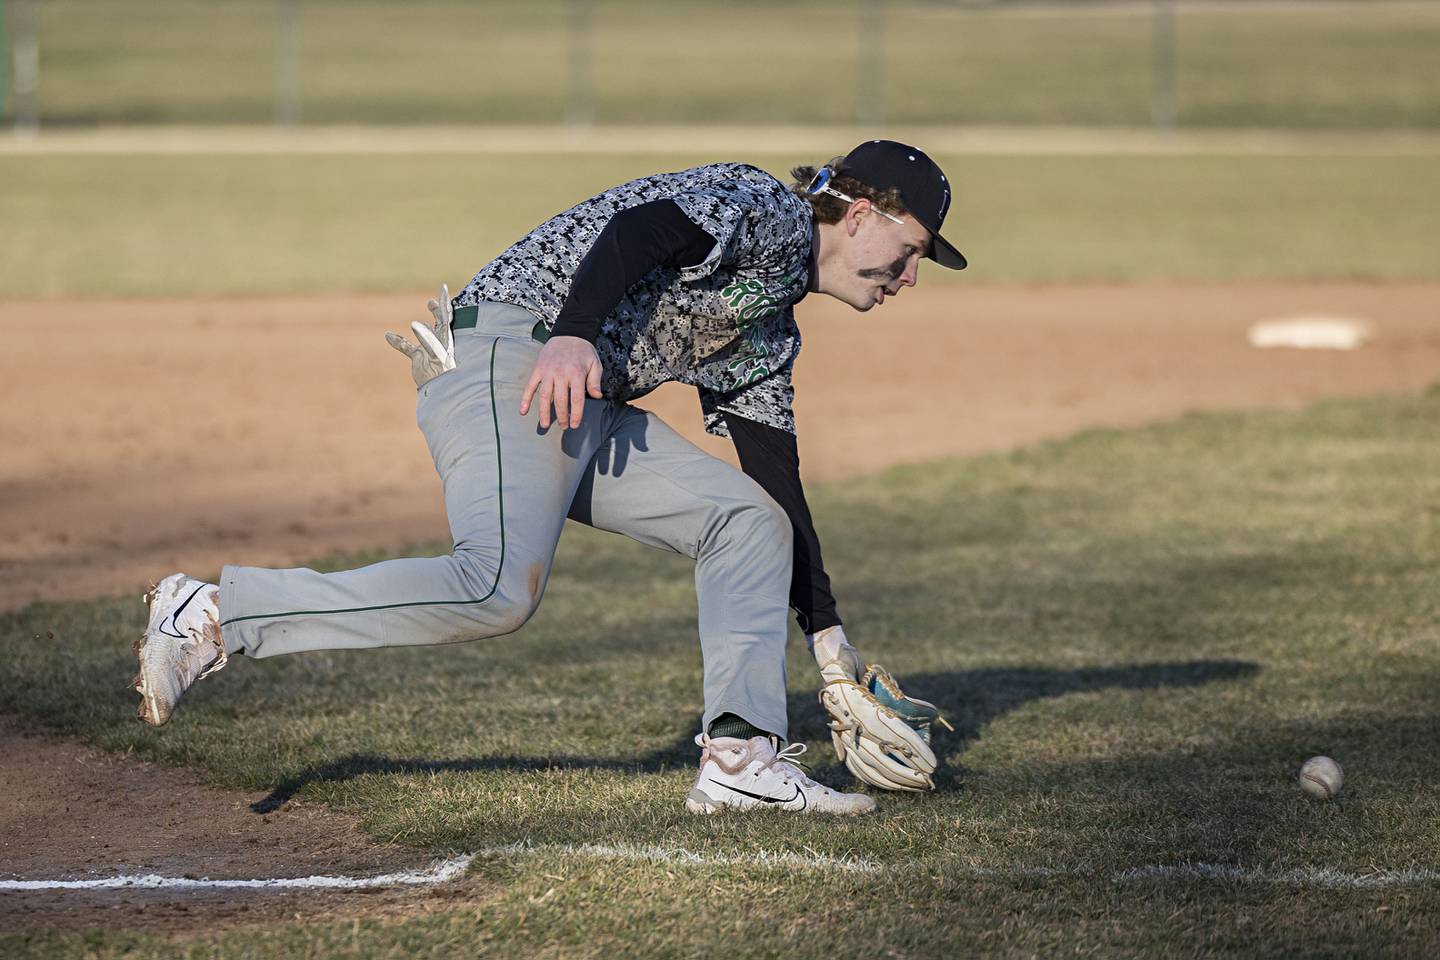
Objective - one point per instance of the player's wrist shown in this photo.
(834, 655)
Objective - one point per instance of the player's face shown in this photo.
(882, 257)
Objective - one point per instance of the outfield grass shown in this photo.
(1138, 635)
(219, 225)
(1344, 64)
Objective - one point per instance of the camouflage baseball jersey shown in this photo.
(725, 325)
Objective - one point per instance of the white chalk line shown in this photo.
(1301, 876)
(443, 871)
(1310, 877)
(439, 872)
(679, 856)
(1326, 877)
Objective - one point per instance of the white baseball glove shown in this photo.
(882, 735)
(436, 352)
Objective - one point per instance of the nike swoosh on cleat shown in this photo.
(762, 798)
(169, 621)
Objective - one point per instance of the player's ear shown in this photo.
(854, 214)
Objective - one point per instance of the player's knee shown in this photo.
(762, 523)
(778, 526)
(516, 598)
(513, 613)
(496, 615)
(508, 603)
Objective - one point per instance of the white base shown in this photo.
(1311, 332)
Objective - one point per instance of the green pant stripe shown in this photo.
(500, 494)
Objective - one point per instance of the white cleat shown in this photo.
(749, 774)
(181, 644)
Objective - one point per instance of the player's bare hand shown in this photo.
(566, 372)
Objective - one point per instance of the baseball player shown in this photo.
(525, 384)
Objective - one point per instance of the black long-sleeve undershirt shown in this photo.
(635, 242)
(772, 459)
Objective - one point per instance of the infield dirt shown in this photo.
(74, 813)
(143, 437)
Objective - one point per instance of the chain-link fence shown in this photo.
(1341, 64)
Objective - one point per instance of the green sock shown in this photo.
(730, 725)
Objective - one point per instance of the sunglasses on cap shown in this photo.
(820, 183)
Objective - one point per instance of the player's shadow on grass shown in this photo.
(969, 699)
(972, 699)
(679, 754)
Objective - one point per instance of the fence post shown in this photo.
(870, 51)
(580, 62)
(4, 57)
(1162, 65)
(24, 16)
(287, 62)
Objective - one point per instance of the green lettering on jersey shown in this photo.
(752, 302)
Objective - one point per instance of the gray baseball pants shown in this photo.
(509, 486)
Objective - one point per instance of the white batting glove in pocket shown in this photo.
(435, 354)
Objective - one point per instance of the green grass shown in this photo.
(223, 225)
(1139, 636)
(1355, 64)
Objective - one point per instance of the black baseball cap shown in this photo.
(883, 164)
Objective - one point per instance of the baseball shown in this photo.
(1321, 777)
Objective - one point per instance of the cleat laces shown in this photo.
(787, 763)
